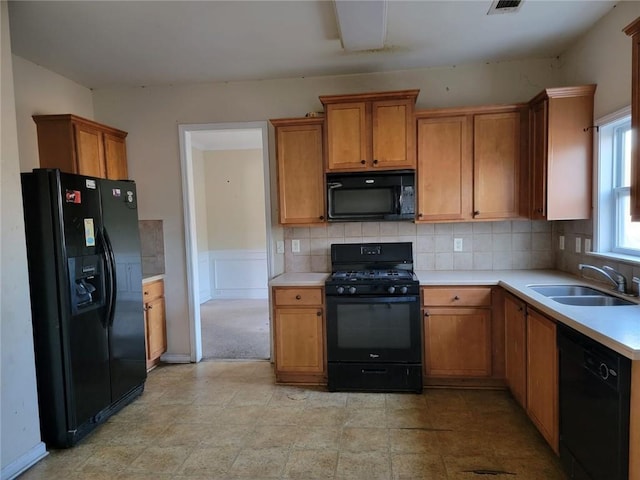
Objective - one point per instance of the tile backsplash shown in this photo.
(151, 247)
(485, 245)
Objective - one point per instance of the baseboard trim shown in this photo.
(175, 358)
(29, 459)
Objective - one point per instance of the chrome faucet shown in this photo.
(616, 278)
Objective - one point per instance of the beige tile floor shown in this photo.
(227, 420)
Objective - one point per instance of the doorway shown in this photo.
(225, 170)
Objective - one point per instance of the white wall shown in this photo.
(603, 56)
(39, 91)
(151, 115)
(235, 199)
(20, 444)
(202, 229)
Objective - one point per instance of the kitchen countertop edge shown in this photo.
(152, 278)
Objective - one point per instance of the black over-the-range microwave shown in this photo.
(362, 196)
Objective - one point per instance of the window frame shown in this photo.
(609, 194)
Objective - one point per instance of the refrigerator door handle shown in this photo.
(112, 280)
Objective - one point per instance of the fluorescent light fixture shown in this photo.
(362, 23)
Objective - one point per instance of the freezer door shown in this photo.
(126, 318)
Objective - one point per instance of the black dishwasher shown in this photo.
(595, 387)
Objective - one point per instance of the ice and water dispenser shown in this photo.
(86, 283)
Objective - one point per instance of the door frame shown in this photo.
(188, 197)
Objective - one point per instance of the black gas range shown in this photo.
(374, 329)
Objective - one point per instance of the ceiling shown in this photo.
(103, 44)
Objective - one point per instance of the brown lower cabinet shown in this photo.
(531, 365)
(154, 321)
(299, 342)
(461, 347)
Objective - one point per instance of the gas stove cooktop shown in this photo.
(360, 275)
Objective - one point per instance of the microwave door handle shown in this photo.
(399, 202)
(334, 185)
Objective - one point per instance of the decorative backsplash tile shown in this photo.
(151, 247)
(504, 245)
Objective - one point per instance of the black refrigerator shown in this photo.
(83, 250)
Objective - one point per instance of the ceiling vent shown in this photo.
(504, 6)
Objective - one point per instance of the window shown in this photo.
(615, 232)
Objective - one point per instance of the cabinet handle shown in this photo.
(520, 309)
(298, 297)
(146, 293)
(476, 213)
(420, 215)
(149, 307)
(319, 313)
(321, 217)
(426, 314)
(539, 210)
(375, 162)
(363, 162)
(456, 297)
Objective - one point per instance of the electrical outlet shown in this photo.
(279, 246)
(587, 245)
(457, 244)
(561, 243)
(578, 244)
(295, 246)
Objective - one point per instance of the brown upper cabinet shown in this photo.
(300, 170)
(633, 30)
(562, 153)
(472, 163)
(77, 145)
(371, 131)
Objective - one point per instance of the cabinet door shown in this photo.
(300, 174)
(393, 134)
(542, 376)
(299, 340)
(515, 348)
(115, 153)
(348, 136)
(156, 329)
(539, 160)
(496, 165)
(89, 151)
(634, 31)
(457, 342)
(444, 168)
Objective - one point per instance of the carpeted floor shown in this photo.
(235, 329)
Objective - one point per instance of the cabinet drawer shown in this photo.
(457, 296)
(298, 296)
(152, 290)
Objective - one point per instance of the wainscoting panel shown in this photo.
(204, 276)
(238, 273)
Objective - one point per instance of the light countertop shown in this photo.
(152, 278)
(616, 327)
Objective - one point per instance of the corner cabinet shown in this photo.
(154, 321)
(77, 145)
(299, 342)
(633, 30)
(301, 193)
(371, 131)
(472, 163)
(457, 333)
(561, 141)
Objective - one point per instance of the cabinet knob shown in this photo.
(319, 313)
(363, 162)
(539, 210)
(321, 217)
(426, 314)
(456, 297)
(298, 297)
(150, 307)
(420, 215)
(375, 162)
(146, 293)
(476, 213)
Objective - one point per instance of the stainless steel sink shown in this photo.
(579, 295)
(591, 300)
(564, 290)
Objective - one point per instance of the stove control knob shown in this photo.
(391, 289)
(352, 290)
(403, 290)
(340, 290)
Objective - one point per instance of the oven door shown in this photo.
(374, 329)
